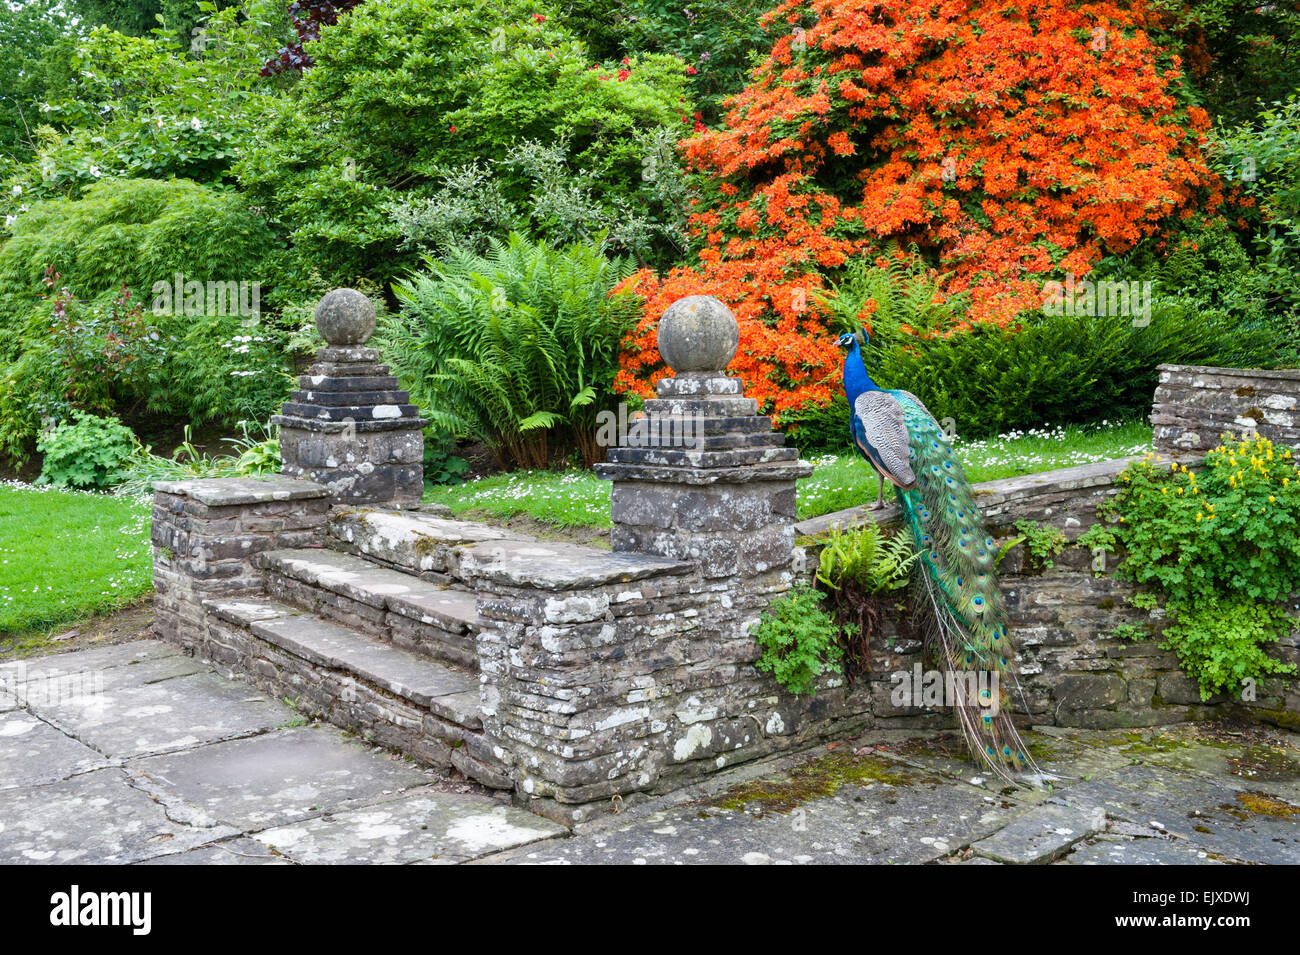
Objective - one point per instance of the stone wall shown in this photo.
(1073, 670)
(1194, 405)
(207, 535)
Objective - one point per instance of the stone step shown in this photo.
(431, 619)
(452, 695)
(418, 543)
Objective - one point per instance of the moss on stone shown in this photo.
(818, 779)
(1264, 804)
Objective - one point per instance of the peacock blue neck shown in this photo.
(856, 379)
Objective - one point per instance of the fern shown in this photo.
(517, 347)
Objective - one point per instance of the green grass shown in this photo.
(580, 499)
(67, 554)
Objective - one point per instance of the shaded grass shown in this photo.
(67, 554)
(580, 499)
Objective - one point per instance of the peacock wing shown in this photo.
(884, 425)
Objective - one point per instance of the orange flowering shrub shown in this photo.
(1010, 140)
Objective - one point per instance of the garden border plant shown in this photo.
(1219, 552)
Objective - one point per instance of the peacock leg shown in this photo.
(880, 498)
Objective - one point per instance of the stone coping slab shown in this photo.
(227, 492)
(987, 493)
(744, 474)
(558, 566)
(1281, 374)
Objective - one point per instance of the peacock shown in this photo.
(894, 431)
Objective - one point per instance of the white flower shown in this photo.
(9, 221)
(94, 171)
(18, 190)
(196, 123)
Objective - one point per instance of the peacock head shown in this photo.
(852, 339)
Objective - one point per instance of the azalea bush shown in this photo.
(1011, 144)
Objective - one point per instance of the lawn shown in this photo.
(67, 554)
(580, 499)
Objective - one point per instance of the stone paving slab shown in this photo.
(7, 701)
(32, 751)
(96, 817)
(1225, 822)
(907, 816)
(1041, 835)
(240, 851)
(280, 777)
(174, 714)
(1139, 852)
(95, 658)
(429, 827)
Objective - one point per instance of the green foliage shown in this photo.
(120, 106)
(1223, 551)
(518, 348)
(1261, 156)
(251, 453)
(719, 40)
(1241, 53)
(864, 558)
(90, 452)
(799, 641)
(563, 206)
(407, 93)
(442, 466)
(32, 34)
(897, 301)
(1043, 542)
(1067, 368)
(133, 232)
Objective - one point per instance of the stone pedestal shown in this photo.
(705, 478)
(348, 426)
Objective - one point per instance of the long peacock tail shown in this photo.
(958, 575)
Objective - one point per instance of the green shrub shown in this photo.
(90, 452)
(1065, 369)
(1222, 550)
(133, 232)
(406, 93)
(799, 641)
(518, 348)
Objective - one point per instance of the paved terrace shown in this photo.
(136, 753)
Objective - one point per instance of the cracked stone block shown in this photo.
(1041, 835)
(96, 817)
(240, 851)
(32, 752)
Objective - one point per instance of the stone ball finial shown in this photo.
(698, 333)
(345, 317)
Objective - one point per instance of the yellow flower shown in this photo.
(1164, 491)
(1272, 499)
(1198, 517)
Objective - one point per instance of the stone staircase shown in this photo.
(376, 631)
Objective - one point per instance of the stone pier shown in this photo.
(348, 426)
